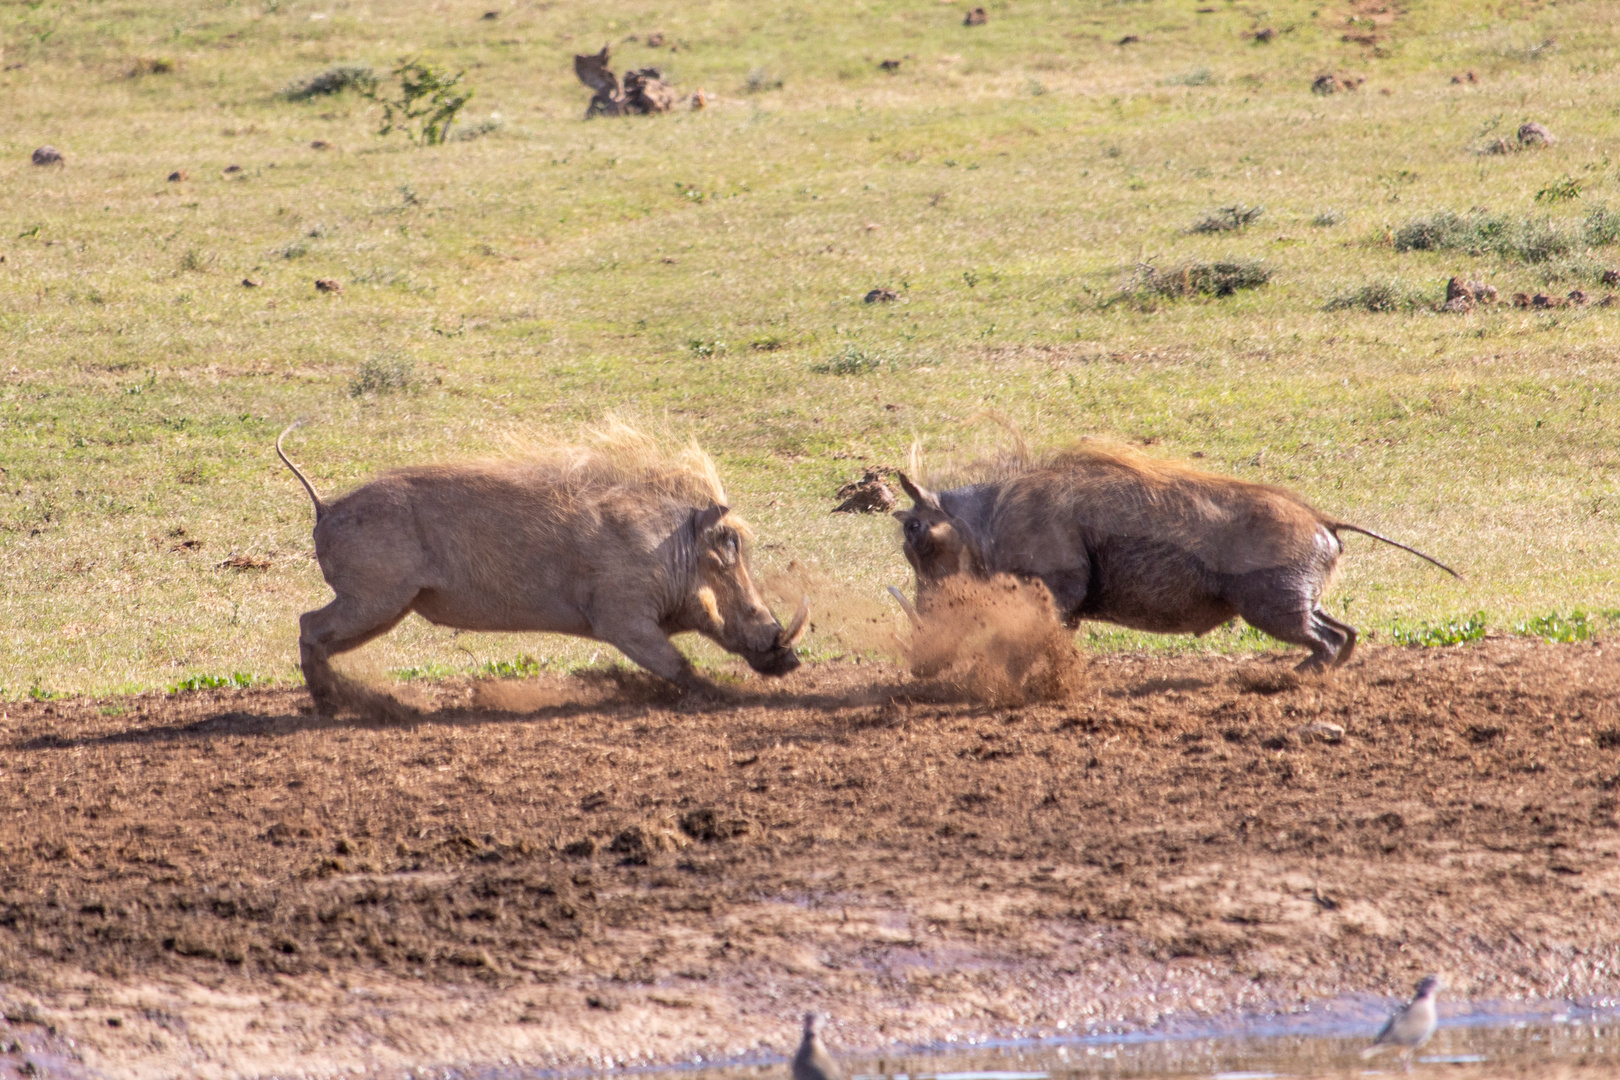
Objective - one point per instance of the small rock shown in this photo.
(1458, 304)
(48, 155)
(698, 100)
(1578, 297)
(1521, 299)
(320, 144)
(976, 17)
(178, 176)
(1457, 288)
(1263, 36)
(1129, 39)
(1465, 77)
(244, 562)
(249, 283)
(1320, 731)
(1609, 300)
(229, 169)
(1542, 300)
(328, 285)
(491, 16)
(1610, 277)
(872, 226)
(580, 849)
(655, 40)
(605, 1002)
(890, 65)
(882, 296)
(1483, 293)
(1533, 134)
(868, 495)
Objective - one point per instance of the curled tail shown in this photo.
(1335, 526)
(320, 507)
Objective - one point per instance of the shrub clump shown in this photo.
(381, 376)
(334, 80)
(1228, 219)
(850, 360)
(1206, 279)
(1377, 296)
(1531, 239)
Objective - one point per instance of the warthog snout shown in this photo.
(779, 658)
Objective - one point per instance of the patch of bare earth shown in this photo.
(603, 872)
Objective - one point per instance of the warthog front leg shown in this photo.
(643, 642)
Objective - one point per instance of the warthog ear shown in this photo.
(919, 495)
(704, 520)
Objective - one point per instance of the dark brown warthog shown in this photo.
(614, 542)
(1153, 545)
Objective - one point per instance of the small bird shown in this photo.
(812, 1062)
(1411, 1025)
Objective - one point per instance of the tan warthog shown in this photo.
(1153, 545)
(613, 541)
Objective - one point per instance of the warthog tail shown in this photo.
(320, 507)
(1335, 526)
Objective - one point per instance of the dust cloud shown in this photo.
(997, 640)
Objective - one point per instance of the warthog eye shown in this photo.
(913, 527)
(727, 546)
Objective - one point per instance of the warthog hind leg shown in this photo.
(1344, 628)
(1329, 640)
(344, 624)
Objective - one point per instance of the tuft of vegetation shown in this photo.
(1378, 296)
(383, 376)
(1207, 279)
(850, 360)
(1198, 76)
(522, 666)
(1531, 239)
(425, 671)
(487, 126)
(1563, 189)
(1327, 219)
(334, 80)
(1553, 627)
(426, 104)
(239, 680)
(1228, 219)
(1602, 226)
(1450, 632)
(760, 80)
(706, 346)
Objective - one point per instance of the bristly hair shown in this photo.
(1017, 458)
(614, 453)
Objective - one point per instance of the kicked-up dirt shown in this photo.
(589, 871)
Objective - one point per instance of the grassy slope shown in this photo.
(540, 275)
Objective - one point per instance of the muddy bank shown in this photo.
(573, 872)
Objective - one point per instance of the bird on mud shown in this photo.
(812, 1062)
(1411, 1025)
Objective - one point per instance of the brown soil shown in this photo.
(245, 888)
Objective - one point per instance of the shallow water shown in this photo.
(1325, 1042)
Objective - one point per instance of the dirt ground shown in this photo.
(579, 872)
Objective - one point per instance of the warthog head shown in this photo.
(725, 606)
(934, 546)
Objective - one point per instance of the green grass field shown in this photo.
(703, 272)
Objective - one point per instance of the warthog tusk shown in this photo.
(905, 605)
(794, 630)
